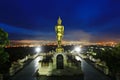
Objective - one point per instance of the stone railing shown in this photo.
(102, 68)
(100, 65)
(15, 67)
(32, 56)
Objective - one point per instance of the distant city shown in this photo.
(33, 43)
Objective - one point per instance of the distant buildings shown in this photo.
(33, 43)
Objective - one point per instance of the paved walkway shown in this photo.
(90, 73)
(28, 71)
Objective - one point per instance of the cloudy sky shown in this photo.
(93, 20)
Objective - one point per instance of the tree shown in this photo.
(112, 59)
(4, 56)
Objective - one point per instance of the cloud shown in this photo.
(77, 35)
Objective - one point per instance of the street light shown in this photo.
(77, 49)
(37, 49)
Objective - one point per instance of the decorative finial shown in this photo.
(59, 21)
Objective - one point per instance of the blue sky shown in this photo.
(92, 20)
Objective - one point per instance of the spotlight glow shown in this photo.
(38, 49)
(77, 49)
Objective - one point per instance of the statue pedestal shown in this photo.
(60, 65)
(59, 50)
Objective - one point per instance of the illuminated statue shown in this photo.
(59, 28)
(59, 63)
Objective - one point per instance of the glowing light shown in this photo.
(77, 49)
(38, 49)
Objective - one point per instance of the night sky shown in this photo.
(90, 20)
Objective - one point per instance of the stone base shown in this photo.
(54, 67)
(59, 50)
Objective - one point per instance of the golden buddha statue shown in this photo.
(59, 28)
